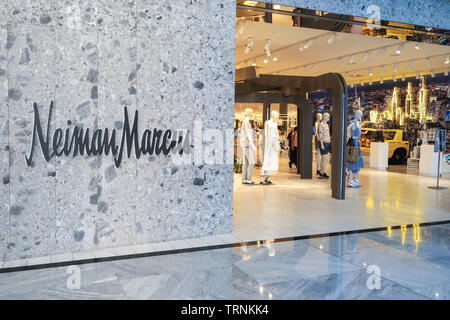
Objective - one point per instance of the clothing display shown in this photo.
(317, 141)
(247, 142)
(271, 146)
(354, 131)
(325, 146)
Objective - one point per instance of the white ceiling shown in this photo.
(286, 40)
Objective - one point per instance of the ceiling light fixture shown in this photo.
(250, 3)
(381, 80)
(382, 51)
(410, 65)
(400, 48)
(428, 62)
(432, 74)
(241, 27)
(249, 45)
(370, 83)
(267, 47)
(417, 75)
(418, 45)
(396, 67)
(370, 72)
(403, 77)
(275, 58)
(351, 60)
(340, 36)
(266, 60)
(313, 67)
(308, 44)
(341, 62)
(331, 38)
(394, 78)
(276, 6)
(446, 72)
(382, 69)
(447, 60)
(365, 56)
(301, 48)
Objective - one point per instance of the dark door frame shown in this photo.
(252, 87)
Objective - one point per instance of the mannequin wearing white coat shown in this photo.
(325, 140)
(271, 148)
(248, 147)
(317, 142)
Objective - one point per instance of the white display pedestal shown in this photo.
(428, 164)
(379, 153)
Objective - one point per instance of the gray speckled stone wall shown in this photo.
(168, 59)
(430, 13)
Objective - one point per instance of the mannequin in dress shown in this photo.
(317, 142)
(325, 147)
(271, 148)
(354, 131)
(248, 147)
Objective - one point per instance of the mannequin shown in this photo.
(354, 131)
(271, 148)
(325, 147)
(248, 147)
(317, 142)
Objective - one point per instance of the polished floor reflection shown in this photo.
(414, 263)
(294, 207)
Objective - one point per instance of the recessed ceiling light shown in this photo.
(276, 6)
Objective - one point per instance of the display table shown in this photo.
(428, 164)
(379, 153)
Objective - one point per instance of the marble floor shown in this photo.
(413, 263)
(294, 207)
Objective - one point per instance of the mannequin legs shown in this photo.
(323, 165)
(318, 157)
(353, 180)
(247, 167)
(267, 175)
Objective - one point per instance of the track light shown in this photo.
(446, 72)
(301, 48)
(410, 65)
(313, 67)
(400, 48)
(351, 60)
(341, 62)
(370, 72)
(266, 60)
(241, 27)
(365, 56)
(331, 38)
(396, 67)
(418, 45)
(417, 75)
(403, 77)
(249, 46)
(275, 58)
(432, 74)
(447, 60)
(382, 69)
(267, 47)
(308, 44)
(381, 80)
(381, 52)
(428, 62)
(394, 78)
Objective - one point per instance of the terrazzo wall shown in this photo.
(169, 60)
